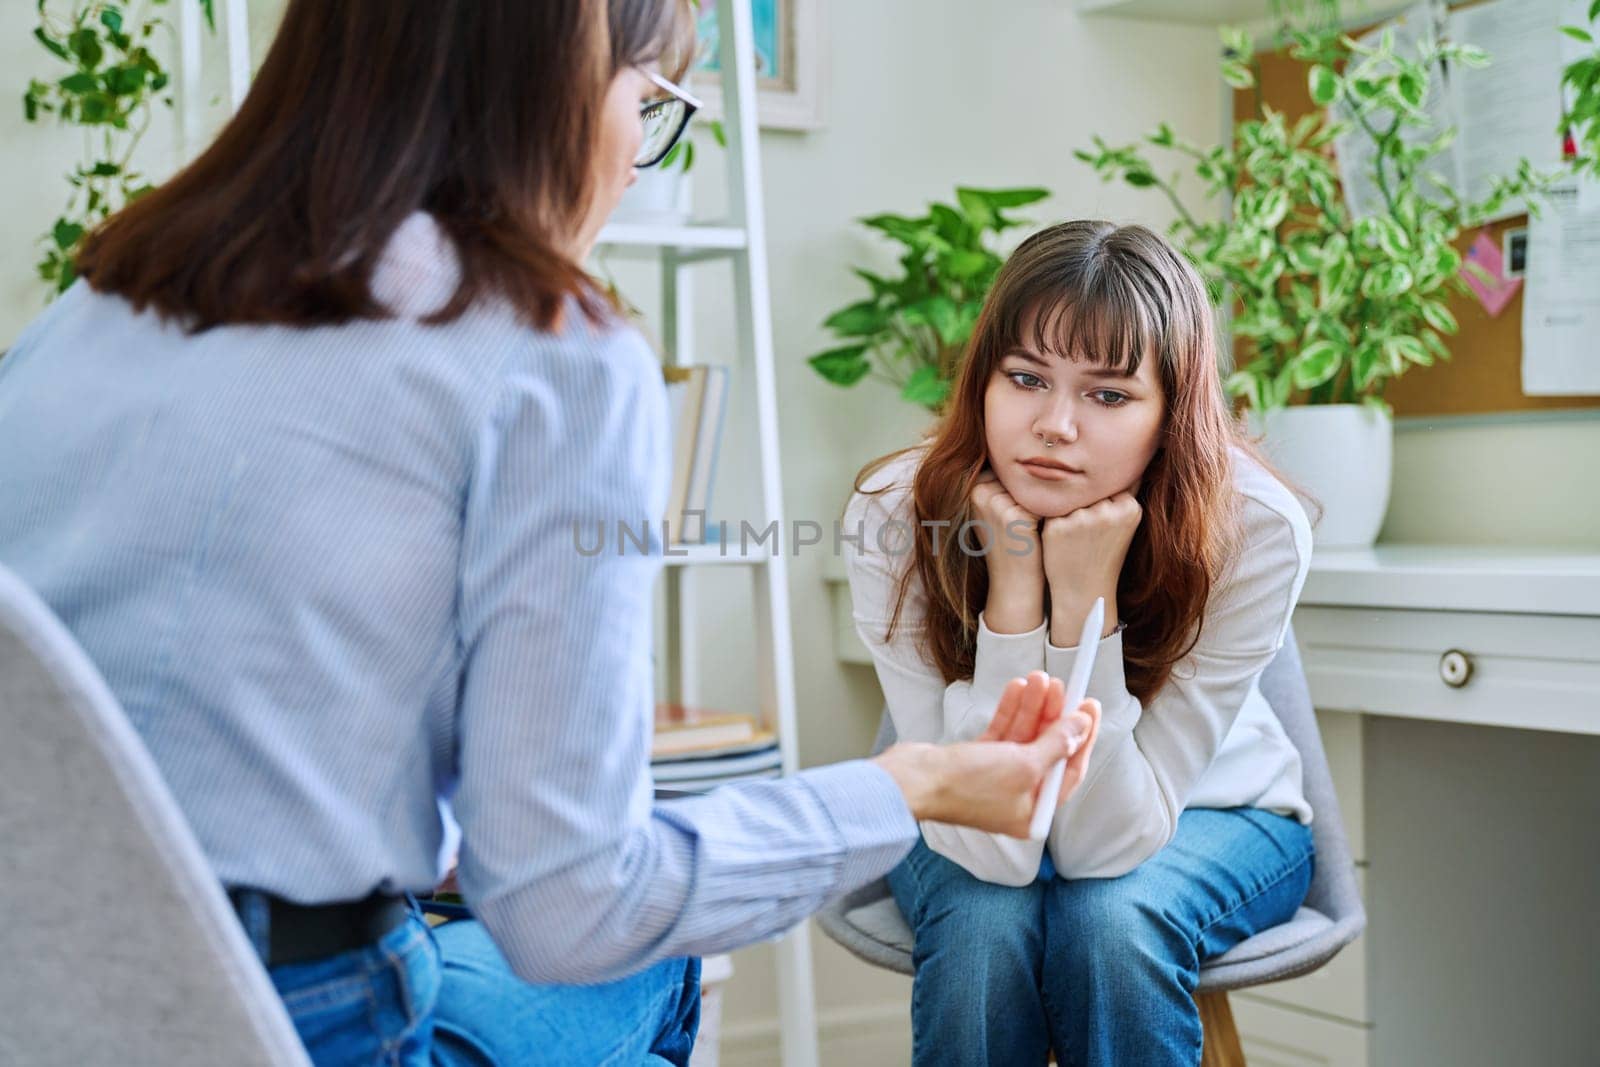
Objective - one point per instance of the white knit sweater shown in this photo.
(1208, 739)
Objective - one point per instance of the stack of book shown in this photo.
(697, 396)
(696, 750)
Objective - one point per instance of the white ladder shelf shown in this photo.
(741, 238)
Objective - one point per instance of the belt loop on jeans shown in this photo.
(254, 911)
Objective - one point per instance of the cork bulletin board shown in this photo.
(1484, 373)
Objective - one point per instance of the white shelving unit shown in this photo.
(741, 239)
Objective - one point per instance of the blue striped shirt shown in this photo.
(331, 575)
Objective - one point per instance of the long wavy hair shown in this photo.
(1118, 295)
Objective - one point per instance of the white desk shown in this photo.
(1476, 849)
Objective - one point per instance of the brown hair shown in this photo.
(481, 112)
(1118, 295)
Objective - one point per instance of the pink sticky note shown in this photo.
(1485, 252)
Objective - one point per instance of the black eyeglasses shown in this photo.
(664, 120)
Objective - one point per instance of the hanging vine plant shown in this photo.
(110, 88)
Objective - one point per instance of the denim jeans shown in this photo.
(1102, 970)
(447, 996)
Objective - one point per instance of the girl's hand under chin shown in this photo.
(1014, 557)
(1083, 555)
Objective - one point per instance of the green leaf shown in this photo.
(964, 264)
(79, 83)
(1439, 317)
(85, 44)
(111, 19)
(1412, 87)
(52, 44)
(30, 107)
(125, 80)
(925, 387)
(912, 232)
(1435, 344)
(1000, 199)
(1405, 349)
(1392, 238)
(978, 209)
(1273, 207)
(842, 366)
(66, 234)
(861, 319)
(1578, 34)
(1324, 85)
(95, 108)
(1387, 280)
(939, 312)
(1317, 363)
(1240, 383)
(1237, 75)
(880, 286)
(951, 224)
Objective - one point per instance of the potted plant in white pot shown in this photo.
(1326, 307)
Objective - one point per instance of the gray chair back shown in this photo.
(868, 923)
(119, 945)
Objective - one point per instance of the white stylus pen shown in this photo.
(1077, 687)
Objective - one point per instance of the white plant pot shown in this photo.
(1340, 454)
(659, 196)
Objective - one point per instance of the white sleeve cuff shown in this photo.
(1002, 657)
(1107, 682)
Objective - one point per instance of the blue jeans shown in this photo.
(1102, 970)
(446, 996)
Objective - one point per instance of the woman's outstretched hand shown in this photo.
(991, 783)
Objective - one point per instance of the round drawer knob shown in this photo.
(1455, 667)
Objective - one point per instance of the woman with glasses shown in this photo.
(299, 461)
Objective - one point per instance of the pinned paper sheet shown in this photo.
(1496, 293)
(1561, 315)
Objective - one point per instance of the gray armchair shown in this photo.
(119, 945)
(869, 924)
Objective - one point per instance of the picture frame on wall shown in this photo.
(789, 62)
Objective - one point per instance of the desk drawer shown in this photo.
(1537, 672)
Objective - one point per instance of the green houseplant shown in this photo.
(1326, 307)
(1582, 120)
(912, 330)
(111, 84)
